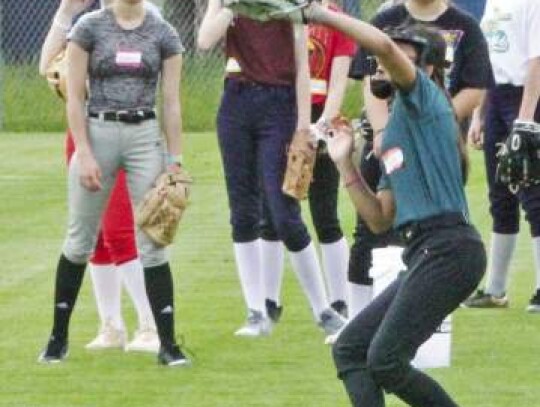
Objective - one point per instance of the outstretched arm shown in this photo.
(400, 68)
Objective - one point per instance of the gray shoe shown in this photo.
(256, 325)
(331, 322)
(481, 299)
(534, 304)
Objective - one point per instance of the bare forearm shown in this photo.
(303, 94)
(400, 68)
(77, 123)
(336, 87)
(172, 126)
(56, 39)
(466, 101)
(531, 91)
(366, 203)
(214, 25)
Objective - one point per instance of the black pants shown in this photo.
(374, 351)
(322, 195)
(360, 260)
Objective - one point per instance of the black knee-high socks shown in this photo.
(159, 288)
(69, 277)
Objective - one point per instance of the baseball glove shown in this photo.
(56, 75)
(163, 206)
(300, 163)
(265, 10)
(519, 157)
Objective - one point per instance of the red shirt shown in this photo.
(325, 44)
(261, 52)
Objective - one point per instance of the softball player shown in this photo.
(511, 29)
(122, 50)
(421, 194)
(115, 260)
(266, 98)
(468, 74)
(330, 55)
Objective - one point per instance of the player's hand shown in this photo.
(475, 136)
(74, 7)
(89, 172)
(174, 168)
(340, 144)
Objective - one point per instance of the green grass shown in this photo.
(494, 359)
(28, 105)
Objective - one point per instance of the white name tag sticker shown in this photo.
(233, 66)
(393, 160)
(125, 58)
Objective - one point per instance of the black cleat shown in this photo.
(55, 351)
(172, 356)
(274, 312)
(534, 303)
(341, 308)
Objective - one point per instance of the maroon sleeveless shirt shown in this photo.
(264, 51)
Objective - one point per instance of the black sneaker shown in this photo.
(172, 356)
(55, 351)
(341, 308)
(534, 303)
(274, 312)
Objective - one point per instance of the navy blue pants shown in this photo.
(445, 262)
(503, 103)
(322, 196)
(255, 124)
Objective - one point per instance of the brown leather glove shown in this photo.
(163, 206)
(300, 163)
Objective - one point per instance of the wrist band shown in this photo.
(174, 159)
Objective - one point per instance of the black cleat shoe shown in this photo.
(534, 303)
(341, 308)
(172, 356)
(55, 351)
(274, 312)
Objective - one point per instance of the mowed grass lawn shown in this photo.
(495, 353)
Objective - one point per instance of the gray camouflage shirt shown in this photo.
(124, 65)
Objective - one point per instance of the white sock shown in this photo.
(248, 264)
(272, 259)
(133, 279)
(501, 250)
(307, 270)
(335, 260)
(359, 297)
(107, 289)
(536, 251)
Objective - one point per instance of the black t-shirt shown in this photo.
(467, 47)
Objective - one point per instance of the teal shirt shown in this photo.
(420, 158)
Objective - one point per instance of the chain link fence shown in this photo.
(26, 103)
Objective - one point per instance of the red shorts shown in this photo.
(116, 239)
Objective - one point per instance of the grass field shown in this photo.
(494, 352)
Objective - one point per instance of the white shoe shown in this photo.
(145, 339)
(331, 322)
(108, 337)
(256, 325)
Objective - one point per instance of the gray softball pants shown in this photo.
(139, 149)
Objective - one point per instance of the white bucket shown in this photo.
(436, 351)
